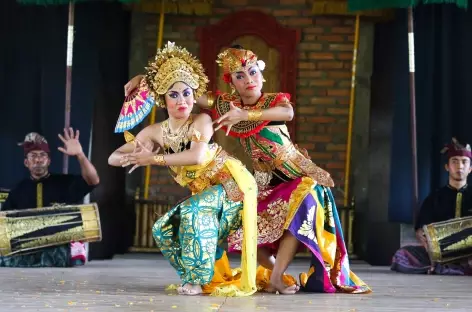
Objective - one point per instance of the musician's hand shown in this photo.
(72, 146)
(421, 238)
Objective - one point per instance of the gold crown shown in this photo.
(234, 60)
(173, 64)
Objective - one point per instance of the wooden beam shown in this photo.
(340, 7)
(186, 7)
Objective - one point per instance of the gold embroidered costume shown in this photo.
(224, 197)
(224, 193)
(294, 193)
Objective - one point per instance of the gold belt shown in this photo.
(299, 162)
(216, 174)
(211, 175)
(287, 155)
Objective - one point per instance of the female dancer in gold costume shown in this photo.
(224, 192)
(295, 203)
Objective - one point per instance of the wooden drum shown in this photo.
(450, 240)
(23, 231)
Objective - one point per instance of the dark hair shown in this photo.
(164, 109)
(237, 46)
(166, 113)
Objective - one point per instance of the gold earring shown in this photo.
(263, 80)
(233, 90)
(194, 101)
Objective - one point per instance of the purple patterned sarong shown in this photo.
(415, 260)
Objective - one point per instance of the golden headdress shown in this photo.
(173, 64)
(233, 60)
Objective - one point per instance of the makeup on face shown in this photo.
(179, 99)
(248, 81)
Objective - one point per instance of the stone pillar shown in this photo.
(360, 137)
(376, 238)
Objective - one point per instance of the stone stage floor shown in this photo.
(136, 282)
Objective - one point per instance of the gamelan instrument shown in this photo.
(3, 196)
(450, 240)
(24, 231)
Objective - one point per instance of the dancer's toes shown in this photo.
(189, 290)
(282, 288)
(290, 290)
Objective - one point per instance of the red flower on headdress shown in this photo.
(227, 77)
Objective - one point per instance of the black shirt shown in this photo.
(53, 189)
(441, 205)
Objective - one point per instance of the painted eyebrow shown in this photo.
(174, 91)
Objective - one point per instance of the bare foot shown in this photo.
(282, 288)
(189, 290)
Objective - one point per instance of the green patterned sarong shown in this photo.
(189, 234)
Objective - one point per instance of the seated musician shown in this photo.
(453, 200)
(43, 189)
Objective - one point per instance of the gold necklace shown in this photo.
(175, 140)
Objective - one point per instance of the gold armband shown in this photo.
(159, 160)
(129, 137)
(211, 99)
(198, 137)
(254, 115)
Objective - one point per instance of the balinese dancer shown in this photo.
(295, 203)
(224, 192)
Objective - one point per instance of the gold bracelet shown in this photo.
(254, 115)
(159, 160)
(210, 99)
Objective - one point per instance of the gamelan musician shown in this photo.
(44, 189)
(449, 208)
